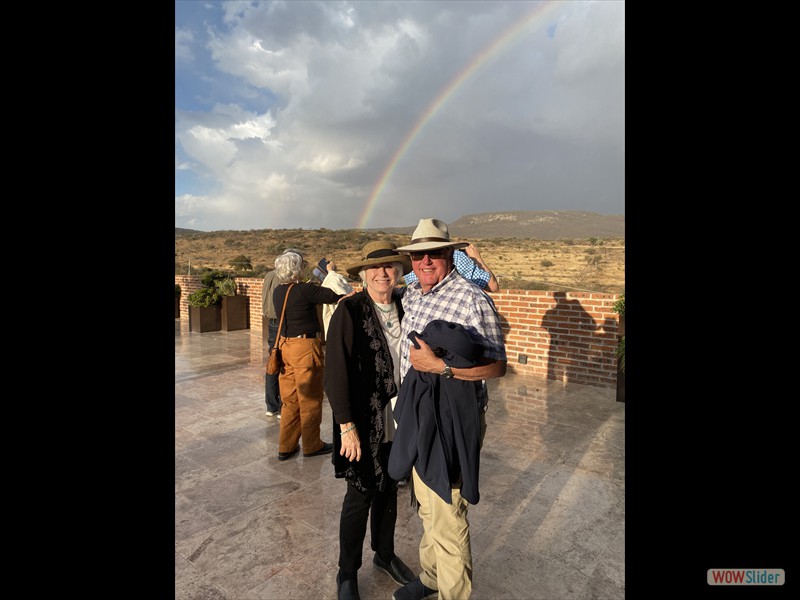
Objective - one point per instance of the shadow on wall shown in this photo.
(571, 329)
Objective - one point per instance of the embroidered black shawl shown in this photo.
(359, 381)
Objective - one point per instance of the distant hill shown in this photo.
(525, 249)
(533, 224)
(181, 232)
(528, 224)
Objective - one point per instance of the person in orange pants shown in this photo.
(300, 342)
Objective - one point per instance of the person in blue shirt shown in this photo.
(472, 267)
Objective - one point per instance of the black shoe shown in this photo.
(326, 449)
(414, 591)
(347, 589)
(396, 568)
(285, 455)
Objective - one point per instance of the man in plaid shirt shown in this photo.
(440, 292)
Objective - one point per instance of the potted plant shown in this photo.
(234, 308)
(619, 307)
(205, 305)
(177, 301)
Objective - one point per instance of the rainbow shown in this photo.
(447, 91)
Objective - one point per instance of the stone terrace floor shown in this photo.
(550, 523)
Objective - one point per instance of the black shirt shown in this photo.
(301, 311)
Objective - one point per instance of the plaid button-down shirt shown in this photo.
(456, 300)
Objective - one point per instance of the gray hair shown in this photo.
(288, 266)
(296, 251)
(398, 267)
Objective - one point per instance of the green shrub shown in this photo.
(241, 263)
(177, 291)
(619, 307)
(593, 260)
(210, 279)
(226, 287)
(204, 297)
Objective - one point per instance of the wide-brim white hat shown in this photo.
(431, 234)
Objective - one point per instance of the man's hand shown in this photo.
(423, 359)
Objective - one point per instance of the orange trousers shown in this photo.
(301, 393)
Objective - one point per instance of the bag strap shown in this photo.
(283, 311)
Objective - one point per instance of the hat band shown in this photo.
(430, 239)
(381, 253)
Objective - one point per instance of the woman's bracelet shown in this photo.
(353, 426)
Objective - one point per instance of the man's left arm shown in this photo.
(425, 361)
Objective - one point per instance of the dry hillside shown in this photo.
(591, 263)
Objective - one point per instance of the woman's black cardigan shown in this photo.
(359, 381)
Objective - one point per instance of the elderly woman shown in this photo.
(362, 378)
(301, 346)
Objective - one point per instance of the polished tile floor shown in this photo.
(550, 523)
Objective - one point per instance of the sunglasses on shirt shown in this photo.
(417, 256)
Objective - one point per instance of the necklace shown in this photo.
(388, 332)
(386, 311)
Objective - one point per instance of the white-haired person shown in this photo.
(443, 457)
(362, 379)
(300, 342)
(272, 394)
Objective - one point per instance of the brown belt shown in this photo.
(304, 335)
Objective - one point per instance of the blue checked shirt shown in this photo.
(456, 300)
(464, 265)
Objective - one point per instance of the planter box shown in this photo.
(177, 307)
(205, 319)
(234, 313)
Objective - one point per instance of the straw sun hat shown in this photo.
(378, 253)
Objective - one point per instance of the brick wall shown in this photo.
(565, 336)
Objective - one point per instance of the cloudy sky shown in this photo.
(379, 113)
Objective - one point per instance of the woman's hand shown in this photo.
(351, 444)
(353, 293)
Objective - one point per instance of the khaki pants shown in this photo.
(301, 394)
(445, 553)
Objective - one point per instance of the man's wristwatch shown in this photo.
(447, 373)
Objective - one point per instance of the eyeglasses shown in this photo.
(416, 256)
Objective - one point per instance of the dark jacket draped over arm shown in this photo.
(438, 420)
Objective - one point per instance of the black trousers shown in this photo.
(272, 393)
(381, 510)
